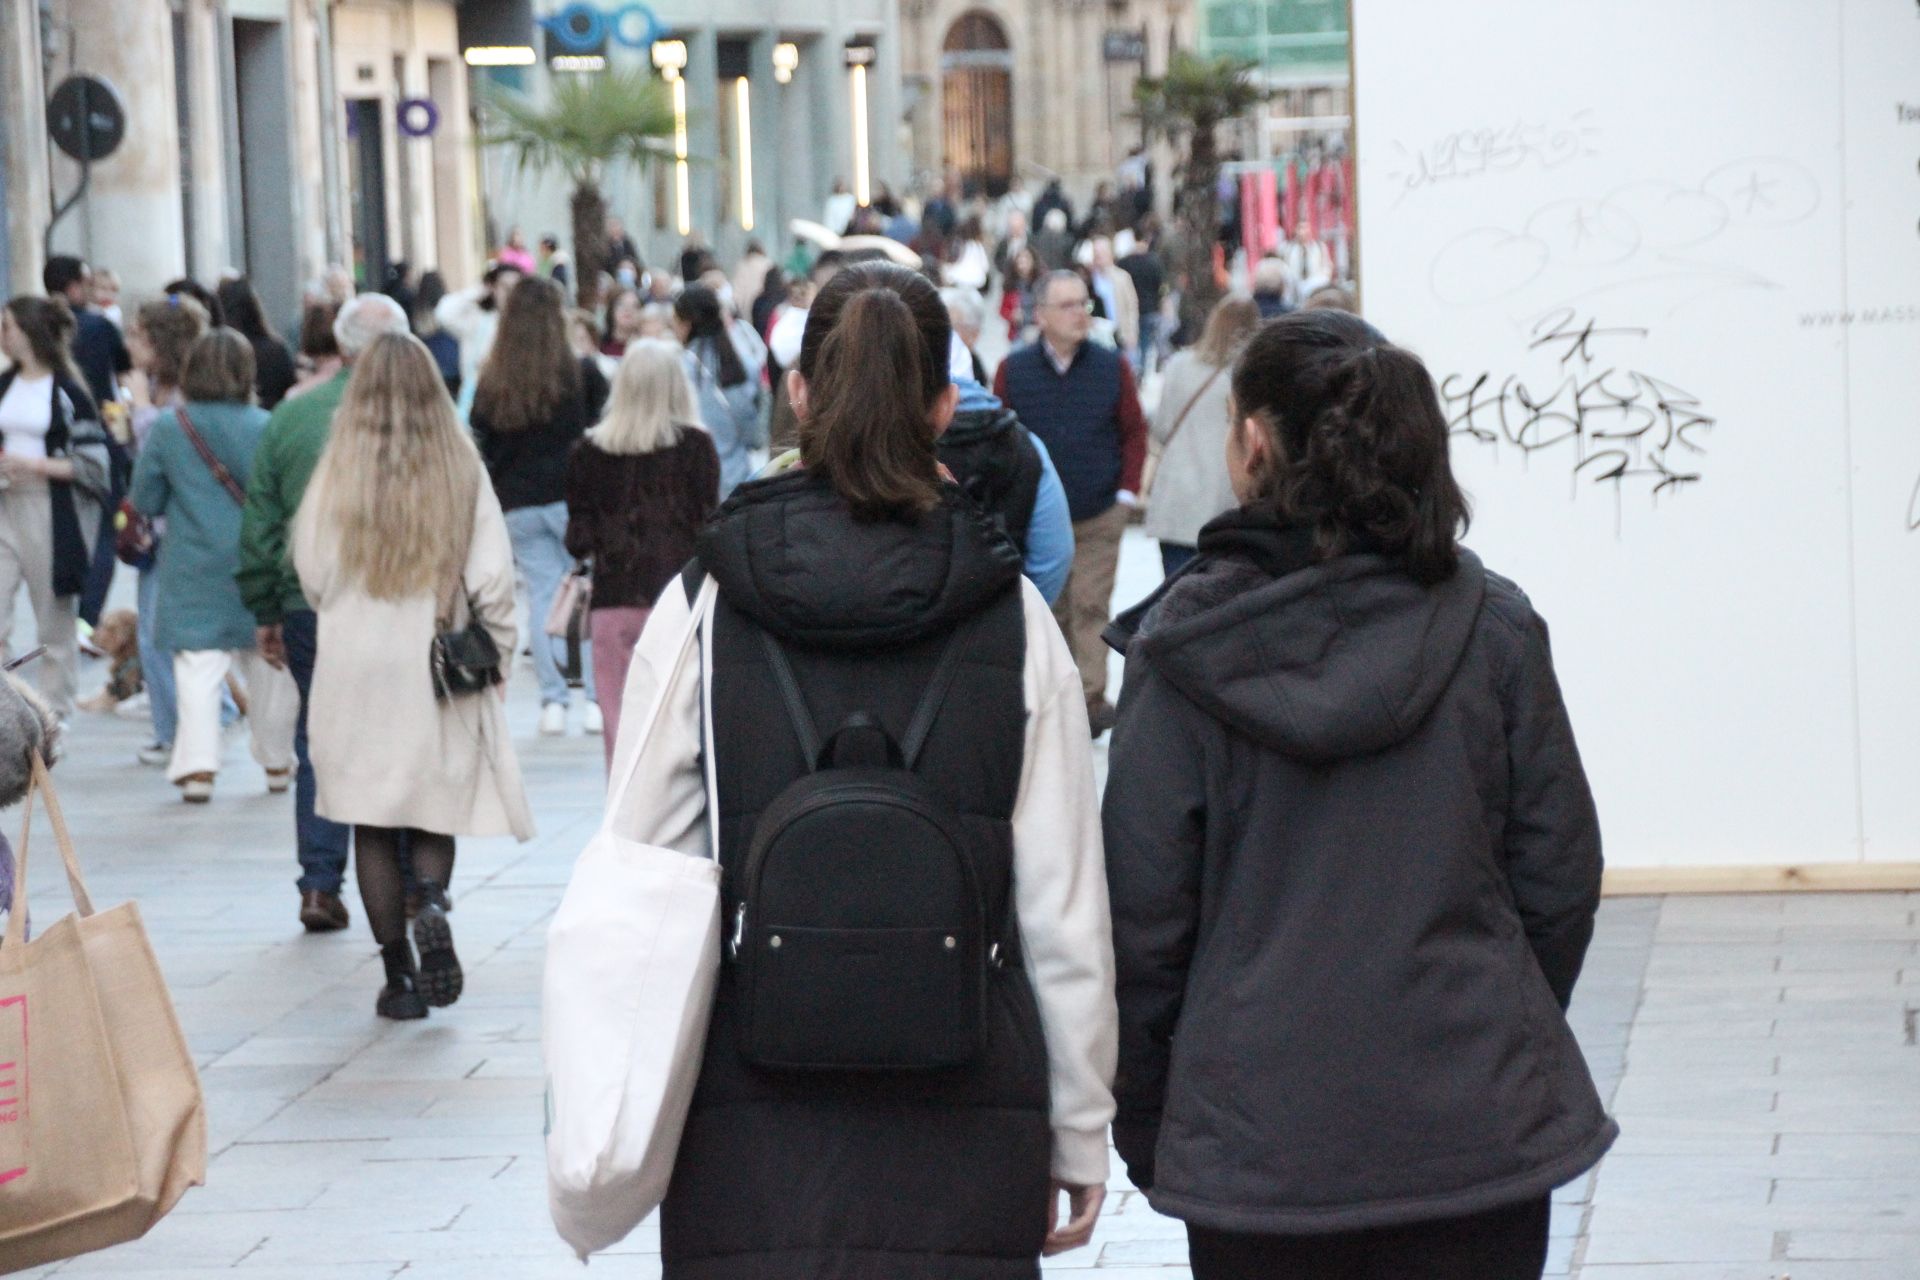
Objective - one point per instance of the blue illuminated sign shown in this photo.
(584, 28)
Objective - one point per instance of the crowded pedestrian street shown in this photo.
(959, 640)
(1757, 1050)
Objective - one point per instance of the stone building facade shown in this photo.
(999, 90)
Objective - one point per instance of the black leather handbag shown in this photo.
(464, 660)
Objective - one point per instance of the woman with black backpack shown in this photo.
(911, 1051)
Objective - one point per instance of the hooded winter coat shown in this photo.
(908, 1176)
(1354, 865)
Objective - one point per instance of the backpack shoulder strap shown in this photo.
(791, 697)
(920, 728)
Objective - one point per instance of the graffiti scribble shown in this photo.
(1613, 424)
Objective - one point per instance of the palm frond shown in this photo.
(588, 123)
(1196, 93)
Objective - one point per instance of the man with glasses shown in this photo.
(1079, 398)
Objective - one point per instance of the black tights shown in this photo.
(377, 857)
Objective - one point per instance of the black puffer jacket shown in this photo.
(1354, 867)
(824, 1176)
(998, 465)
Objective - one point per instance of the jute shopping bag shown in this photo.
(104, 1129)
(633, 957)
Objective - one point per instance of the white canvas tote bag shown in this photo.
(633, 955)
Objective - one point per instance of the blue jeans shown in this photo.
(540, 549)
(156, 668)
(322, 843)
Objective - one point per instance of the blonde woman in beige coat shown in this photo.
(399, 537)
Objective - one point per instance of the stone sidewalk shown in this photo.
(1759, 1052)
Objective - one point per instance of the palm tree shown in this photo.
(589, 124)
(1187, 105)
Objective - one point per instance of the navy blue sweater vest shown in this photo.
(1076, 415)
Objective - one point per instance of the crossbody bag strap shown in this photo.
(233, 487)
(1181, 421)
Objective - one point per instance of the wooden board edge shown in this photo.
(1815, 877)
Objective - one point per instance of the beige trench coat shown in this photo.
(386, 752)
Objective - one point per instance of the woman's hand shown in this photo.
(16, 468)
(1083, 1206)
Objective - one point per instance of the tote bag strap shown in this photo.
(702, 605)
(41, 783)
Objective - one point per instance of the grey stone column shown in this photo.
(23, 148)
(890, 163)
(770, 210)
(132, 215)
(703, 132)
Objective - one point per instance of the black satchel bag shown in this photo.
(860, 941)
(463, 660)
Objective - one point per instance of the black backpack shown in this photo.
(861, 939)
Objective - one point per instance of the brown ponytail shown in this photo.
(874, 358)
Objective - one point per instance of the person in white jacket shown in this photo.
(472, 316)
(861, 565)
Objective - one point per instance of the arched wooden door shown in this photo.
(976, 68)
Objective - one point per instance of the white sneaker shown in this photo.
(197, 788)
(595, 723)
(156, 754)
(553, 720)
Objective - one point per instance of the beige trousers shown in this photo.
(1085, 605)
(26, 555)
(273, 705)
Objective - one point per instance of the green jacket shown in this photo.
(295, 436)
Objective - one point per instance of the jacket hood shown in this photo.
(1318, 661)
(789, 554)
(972, 425)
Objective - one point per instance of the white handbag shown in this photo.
(633, 956)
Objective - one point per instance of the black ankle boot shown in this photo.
(400, 999)
(441, 979)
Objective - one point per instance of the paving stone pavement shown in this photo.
(1759, 1052)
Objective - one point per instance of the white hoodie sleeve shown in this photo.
(1060, 898)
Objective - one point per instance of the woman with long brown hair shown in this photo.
(53, 485)
(1189, 429)
(400, 540)
(536, 398)
(869, 617)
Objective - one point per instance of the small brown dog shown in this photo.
(118, 640)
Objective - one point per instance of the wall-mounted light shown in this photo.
(682, 189)
(743, 125)
(786, 60)
(862, 166)
(670, 56)
(578, 62)
(502, 55)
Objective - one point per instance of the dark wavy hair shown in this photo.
(1359, 446)
(875, 361)
(241, 308)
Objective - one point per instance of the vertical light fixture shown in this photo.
(671, 57)
(862, 169)
(786, 60)
(743, 123)
(682, 193)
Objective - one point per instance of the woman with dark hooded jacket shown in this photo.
(1353, 858)
(860, 590)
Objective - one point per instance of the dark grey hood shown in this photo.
(1339, 659)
